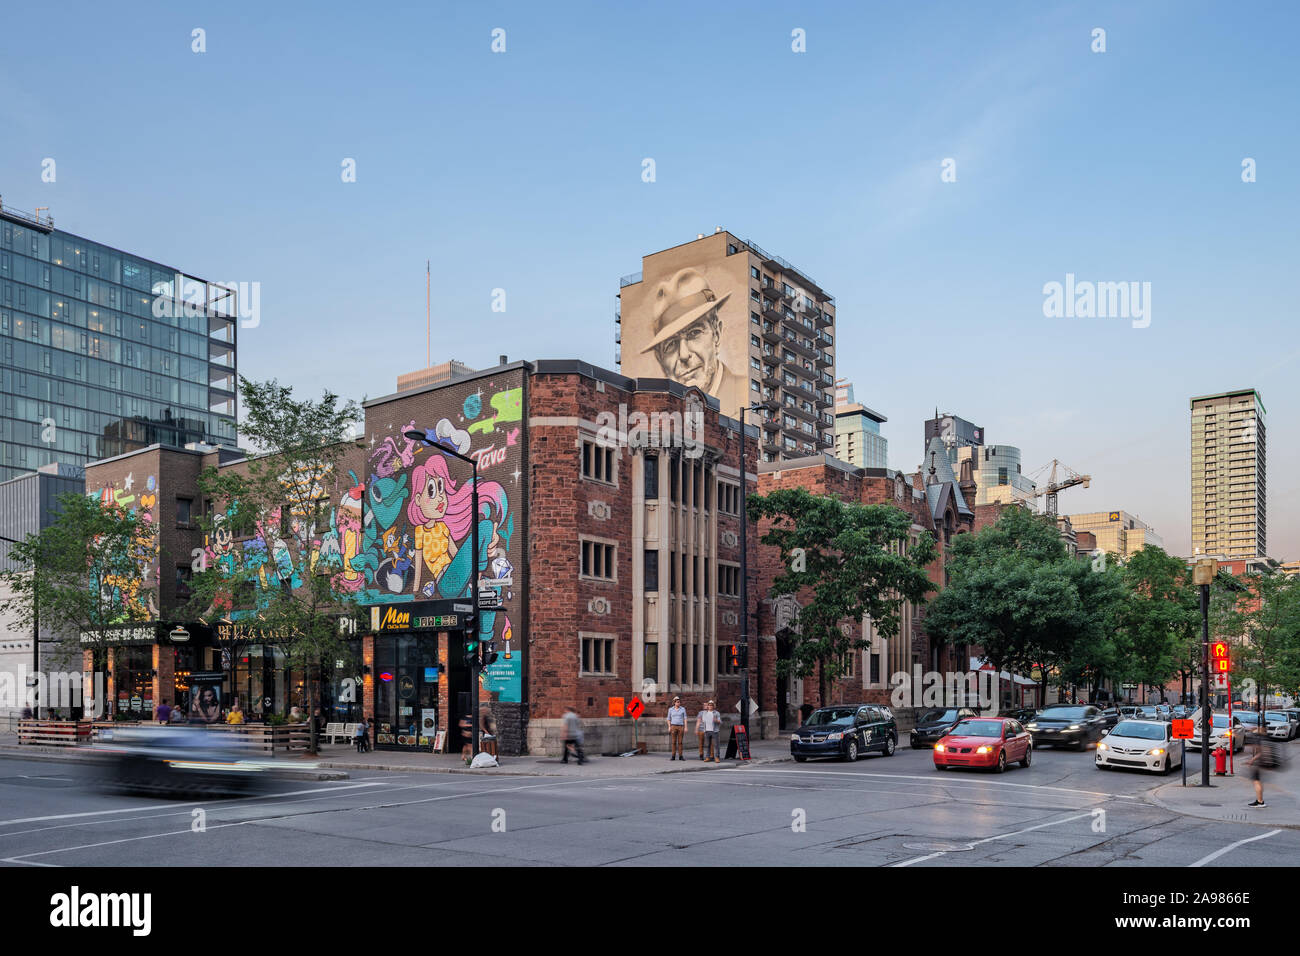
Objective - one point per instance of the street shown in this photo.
(895, 811)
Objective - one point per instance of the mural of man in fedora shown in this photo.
(687, 333)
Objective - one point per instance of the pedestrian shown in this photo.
(1267, 757)
(573, 735)
(163, 713)
(676, 729)
(361, 737)
(236, 715)
(488, 726)
(467, 732)
(699, 729)
(711, 721)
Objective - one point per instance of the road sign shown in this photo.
(1220, 681)
(616, 707)
(1183, 730)
(635, 708)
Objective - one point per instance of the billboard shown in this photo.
(691, 325)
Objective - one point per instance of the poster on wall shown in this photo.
(416, 543)
(205, 697)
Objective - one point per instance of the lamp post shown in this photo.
(1202, 574)
(744, 574)
(423, 437)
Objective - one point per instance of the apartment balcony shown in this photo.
(824, 320)
(770, 444)
(771, 403)
(794, 343)
(801, 390)
(803, 413)
(772, 424)
(824, 359)
(772, 311)
(772, 334)
(771, 377)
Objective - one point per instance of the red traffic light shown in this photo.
(1221, 659)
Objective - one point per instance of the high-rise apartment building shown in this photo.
(1229, 494)
(857, 431)
(745, 326)
(1115, 532)
(103, 352)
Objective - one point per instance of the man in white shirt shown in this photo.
(710, 721)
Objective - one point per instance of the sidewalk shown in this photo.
(1227, 796)
(335, 761)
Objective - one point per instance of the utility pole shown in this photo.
(1202, 575)
(744, 574)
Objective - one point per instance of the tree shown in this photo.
(1160, 617)
(849, 560)
(1269, 655)
(85, 575)
(277, 503)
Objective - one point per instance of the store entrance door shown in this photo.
(406, 694)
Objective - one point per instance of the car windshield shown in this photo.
(979, 728)
(1275, 715)
(1247, 716)
(1134, 728)
(1063, 713)
(1146, 711)
(832, 715)
(1220, 720)
(938, 716)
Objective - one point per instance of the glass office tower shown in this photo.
(102, 352)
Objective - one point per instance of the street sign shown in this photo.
(616, 707)
(1220, 681)
(635, 708)
(1183, 730)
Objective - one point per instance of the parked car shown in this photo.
(1023, 714)
(1109, 716)
(1142, 744)
(933, 725)
(1129, 712)
(1074, 725)
(1183, 712)
(845, 731)
(987, 742)
(1220, 734)
(1279, 724)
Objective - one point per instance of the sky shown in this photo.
(522, 171)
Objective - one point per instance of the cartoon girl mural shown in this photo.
(440, 511)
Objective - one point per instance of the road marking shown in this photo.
(1232, 846)
(99, 813)
(945, 781)
(1000, 836)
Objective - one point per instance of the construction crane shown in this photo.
(1054, 487)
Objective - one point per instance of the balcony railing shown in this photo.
(632, 278)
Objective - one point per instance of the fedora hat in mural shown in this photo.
(679, 302)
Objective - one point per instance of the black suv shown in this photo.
(845, 731)
(1074, 725)
(936, 723)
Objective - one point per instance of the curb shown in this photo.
(509, 772)
(1153, 797)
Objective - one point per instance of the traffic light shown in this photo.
(1220, 658)
(739, 656)
(471, 649)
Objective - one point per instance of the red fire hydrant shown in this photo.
(1220, 761)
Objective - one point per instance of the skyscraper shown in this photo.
(857, 431)
(1229, 494)
(103, 352)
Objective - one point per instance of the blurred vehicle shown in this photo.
(1023, 714)
(1146, 712)
(1109, 717)
(1072, 725)
(1164, 712)
(1183, 712)
(934, 724)
(1220, 734)
(987, 742)
(1144, 744)
(176, 760)
(1129, 712)
(845, 731)
(1293, 716)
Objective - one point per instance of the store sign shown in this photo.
(420, 616)
(117, 636)
(179, 635)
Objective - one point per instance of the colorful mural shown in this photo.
(415, 542)
(132, 596)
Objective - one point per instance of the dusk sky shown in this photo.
(522, 171)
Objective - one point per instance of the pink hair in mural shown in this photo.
(459, 498)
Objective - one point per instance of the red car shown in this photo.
(989, 742)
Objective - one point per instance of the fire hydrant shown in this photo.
(1220, 761)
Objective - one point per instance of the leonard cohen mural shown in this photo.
(689, 327)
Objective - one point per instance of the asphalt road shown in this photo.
(895, 811)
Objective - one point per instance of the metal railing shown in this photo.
(632, 278)
(786, 266)
(31, 219)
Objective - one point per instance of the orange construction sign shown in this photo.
(616, 707)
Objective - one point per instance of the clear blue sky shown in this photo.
(522, 171)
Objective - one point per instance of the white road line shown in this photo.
(944, 781)
(1232, 846)
(1000, 836)
(100, 813)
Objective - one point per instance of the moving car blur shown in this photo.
(1067, 725)
(177, 760)
(936, 723)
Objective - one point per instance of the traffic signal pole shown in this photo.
(1207, 716)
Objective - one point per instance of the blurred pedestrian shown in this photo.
(573, 735)
(236, 715)
(676, 729)
(488, 726)
(163, 713)
(1267, 758)
(361, 736)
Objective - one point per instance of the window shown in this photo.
(728, 498)
(184, 506)
(728, 580)
(651, 569)
(753, 316)
(183, 576)
(651, 477)
(598, 560)
(753, 271)
(753, 340)
(753, 385)
(598, 462)
(597, 654)
(731, 249)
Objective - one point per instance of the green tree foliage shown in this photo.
(1269, 618)
(856, 561)
(1160, 618)
(282, 497)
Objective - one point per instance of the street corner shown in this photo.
(1226, 800)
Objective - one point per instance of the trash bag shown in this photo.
(484, 760)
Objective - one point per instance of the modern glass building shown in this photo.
(103, 352)
(997, 473)
(857, 431)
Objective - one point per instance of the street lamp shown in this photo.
(424, 438)
(744, 574)
(1202, 576)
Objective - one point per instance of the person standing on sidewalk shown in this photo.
(676, 729)
(573, 734)
(1266, 758)
(711, 721)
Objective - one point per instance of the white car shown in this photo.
(1279, 724)
(1220, 734)
(1144, 744)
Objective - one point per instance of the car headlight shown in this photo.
(794, 738)
(1031, 726)
(1102, 746)
(1073, 727)
(1155, 751)
(985, 750)
(939, 747)
(835, 736)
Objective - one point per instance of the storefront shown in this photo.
(421, 685)
(147, 665)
